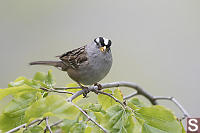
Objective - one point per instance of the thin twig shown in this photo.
(140, 90)
(47, 126)
(55, 124)
(23, 126)
(185, 113)
(110, 95)
(89, 118)
(41, 121)
(67, 88)
(130, 96)
(58, 91)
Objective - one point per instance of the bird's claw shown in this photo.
(85, 91)
(99, 86)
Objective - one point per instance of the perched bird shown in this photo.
(86, 65)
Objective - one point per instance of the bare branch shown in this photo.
(108, 94)
(58, 91)
(89, 118)
(23, 126)
(47, 126)
(185, 113)
(67, 88)
(139, 91)
(41, 121)
(131, 95)
(56, 123)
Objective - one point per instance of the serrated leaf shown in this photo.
(42, 80)
(34, 129)
(53, 105)
(39, 76)
(49, 79)
(118, 120)
(107, 101)
(78, 128)
(22, 81)
(16, 90)
(137, 102)
(94, 107)
(67, 124)
(118, 94)
(13, 114)
(158, 119)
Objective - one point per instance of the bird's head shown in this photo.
(103, 44)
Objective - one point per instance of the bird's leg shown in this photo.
(85, 90)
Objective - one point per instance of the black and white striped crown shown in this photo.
(103, 41)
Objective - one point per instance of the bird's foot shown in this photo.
(99, 86)
(85, 91)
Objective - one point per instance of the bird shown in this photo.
(86, 65)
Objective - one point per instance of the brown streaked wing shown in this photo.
(75, 57)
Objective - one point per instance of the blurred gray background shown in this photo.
(155, 42)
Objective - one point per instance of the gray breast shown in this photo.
(99, 64)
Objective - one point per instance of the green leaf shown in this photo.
(73, 126)
(53, 105)
(49, 79)
(13, 114)
(118, 94)
(157, 119)
(16, 90)
(93, 107)
(34, 129)
(43, 80)
(67, 124)
(40, 77)
(21, 81)
(118, 120)
(88, 130)
(135, 103)
(107, 101)
(78, 128)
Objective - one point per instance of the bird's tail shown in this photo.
(57, 64)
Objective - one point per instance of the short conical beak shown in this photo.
(103, 48)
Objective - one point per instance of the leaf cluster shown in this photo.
(29, 103)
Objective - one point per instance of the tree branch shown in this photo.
(110, 95)
(58, 91)
(89, 118)
(130, 96)
(23, 126)
(67, 88)
(139, 91)
(185, 113)
(47, 126)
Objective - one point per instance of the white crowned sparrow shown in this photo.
(86, 65)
